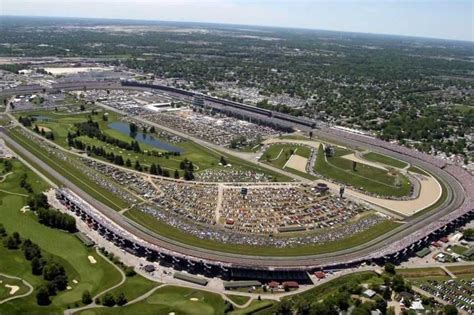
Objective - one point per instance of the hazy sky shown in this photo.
(452, 19)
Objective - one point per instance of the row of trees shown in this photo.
(39, 204)
(56, 219)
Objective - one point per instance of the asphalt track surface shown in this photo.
(455, 198)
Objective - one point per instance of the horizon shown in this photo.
(250, 26)
(442, 20)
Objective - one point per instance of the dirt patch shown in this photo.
(43, 128)
(297, 162)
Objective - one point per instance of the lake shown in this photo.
(124, 128)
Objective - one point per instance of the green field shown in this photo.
(134, 287)
(159, 227)
(278, 154)
(414, 273)
(60, 123)
(67, 250)
(5, 291)
(375, 157)
(365, 177)
(170, 299)
(238, 299)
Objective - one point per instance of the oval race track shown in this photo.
(390, 243)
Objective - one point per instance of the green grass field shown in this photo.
(365, 177)
(375, 157)
(159, 227)
(466, 270)
(5, 291)
(170, 299)
(412, 273)
(278, 154)
(134, 287)
(254, 307)
(60, 246)
(238, 299)
(60, 123)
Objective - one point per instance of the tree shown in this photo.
(121, 299)
(86, 297)
(223, 161)
(11, 243)
(450, 310)
(153, 170)
(381, 305)
(176, 174)
(398, 283)
(130, 272)
(354, 166)
(37, 265)
(3, 232)
(42, 296)
(284, 308)
(31, 250)
(108, 300)
(390, 268)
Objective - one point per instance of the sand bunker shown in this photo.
(92, 259)
(75, 281)
(297, 162)
(69, 287)
(172, 313)
(194, 299)
(25, 209)
(13, 288)
(43, 128)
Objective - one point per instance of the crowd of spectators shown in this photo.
(278, 209)
(217, 234)
(193, 201)
(231, 175)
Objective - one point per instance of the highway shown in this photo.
(455, 199)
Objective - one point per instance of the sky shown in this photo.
(448, 19)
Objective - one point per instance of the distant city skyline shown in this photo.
(435, 19)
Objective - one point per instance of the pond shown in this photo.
(124, 128)
(42, 118)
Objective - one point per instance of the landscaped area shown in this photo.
(361, 176)
(70, 252)
(154, 144)
(170, 299)
(375, 157)
(292, 158)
